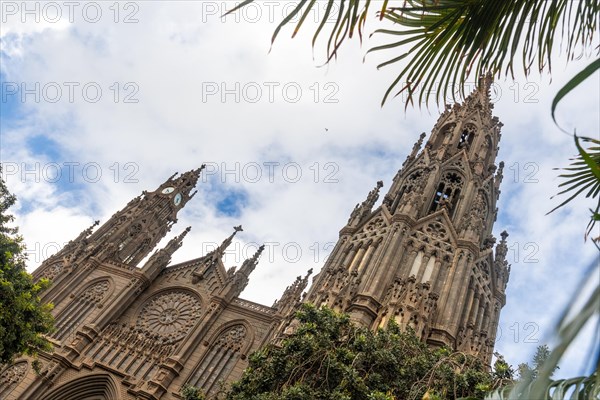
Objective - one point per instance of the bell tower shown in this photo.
(125, 239)
(425, 258)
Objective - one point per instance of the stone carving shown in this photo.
(96, 292)
(52, 271)
(170, 314)
(437, 231)
(233, 338)
(11, 376)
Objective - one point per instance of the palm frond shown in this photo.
(455, 38)
(584, 174)
(580, 388)
(467, 37)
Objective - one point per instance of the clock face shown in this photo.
(168, 190)
(177, 199)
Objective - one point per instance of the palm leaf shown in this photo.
(573, 83)
(584, 174)
(581, 388)
(458, 38)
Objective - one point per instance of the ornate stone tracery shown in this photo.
(11, 376)
(222, 355)
(52, 271)
(170, 315)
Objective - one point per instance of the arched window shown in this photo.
(219, 360)
(52, 271)
(466, 137)
(447, 193)
(414, 182)
(78, 310)
(442, 134)
(10, 377)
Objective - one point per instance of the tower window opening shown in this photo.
(440, 197)
(448, 193)
(466, 138)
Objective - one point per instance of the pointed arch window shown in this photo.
(442, 134)
(219, 360)
(79, 309)
(414, 182)
(447, 193)
(11, 376)
(466, 137)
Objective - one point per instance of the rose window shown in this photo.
(170, 315)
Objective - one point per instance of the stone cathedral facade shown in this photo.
(424, 258)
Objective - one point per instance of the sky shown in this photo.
(102, 100)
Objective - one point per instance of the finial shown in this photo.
(249, 264)
(254, 258)
(228, 240)
(504, 235)
(379, 184)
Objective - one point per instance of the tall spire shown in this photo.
(292, 294)
(423, 258)
(132, 233)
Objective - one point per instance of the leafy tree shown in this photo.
(23, 318)
(192, 393)
(527, 372)
(503, 373)
(329, 358)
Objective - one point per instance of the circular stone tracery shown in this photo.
(170, 315)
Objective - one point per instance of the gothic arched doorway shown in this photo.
(92, 387)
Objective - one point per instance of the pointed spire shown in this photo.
(87, 232)
(249, 264)
(292, 294)
(417, 145)
(481, 94)
(190, 178)
(177, 241)
(161, 258)
(502, 248)
(364, 209)
(239, 279)
(373, 196)
(485, 82)
(227, 242)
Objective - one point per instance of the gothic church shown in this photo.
(424, 258)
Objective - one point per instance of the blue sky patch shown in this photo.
(232, 203)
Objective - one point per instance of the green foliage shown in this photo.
(581, 388)
(443, 41)
(192, 393)
(584, 176)
(329, 358)
(541, 356)
(23, 317)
